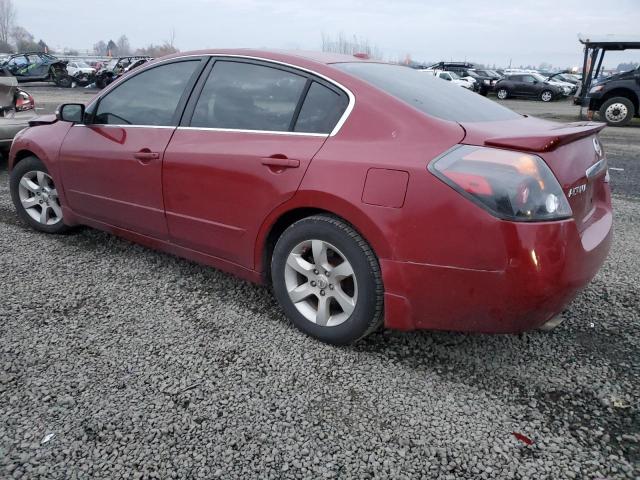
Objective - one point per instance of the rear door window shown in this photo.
(321, 110)
(247, 96)
(149, 98)
(428, 94)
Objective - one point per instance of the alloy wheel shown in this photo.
(39, 198)
(616, 112)
(321, 283)
(502, 94)
(546, 96)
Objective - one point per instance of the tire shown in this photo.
(617, 111)
(546, 95)
(502, 93)
(354, 302)
(30, 179)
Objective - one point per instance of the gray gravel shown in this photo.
(143, 365)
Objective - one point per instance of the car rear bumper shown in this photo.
(547, 265)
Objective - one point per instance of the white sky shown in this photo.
(485, 31)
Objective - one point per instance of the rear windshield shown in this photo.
(429, 94)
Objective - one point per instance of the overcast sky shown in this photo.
(485, 31)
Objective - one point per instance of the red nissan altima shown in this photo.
(366, 193)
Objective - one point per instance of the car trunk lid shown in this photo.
(572, 151)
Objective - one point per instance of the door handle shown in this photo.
(280, 161)
(146, 155)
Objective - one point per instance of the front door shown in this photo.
(112, 166)
(252, 132)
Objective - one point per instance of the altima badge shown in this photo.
(577, 190)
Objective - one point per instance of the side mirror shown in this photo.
(71, 112)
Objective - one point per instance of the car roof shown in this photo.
(291, 56)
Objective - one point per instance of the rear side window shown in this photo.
(428, 94)
(321, 110)
(245, 96)
(149, 98)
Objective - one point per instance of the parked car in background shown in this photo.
(565, 77)
(484, 81)
(117, 67)
(38, 67)
(615, 98)
(78, 66)
(17, 107)
(527, 85)
(312, 172)
(568, 88)
(450, 77)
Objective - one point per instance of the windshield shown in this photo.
(538, 77)
(454, 75)
(428, 94)
(82, 65)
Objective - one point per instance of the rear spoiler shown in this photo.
(43, 120)
(550, 139)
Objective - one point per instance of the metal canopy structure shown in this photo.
(595, 47)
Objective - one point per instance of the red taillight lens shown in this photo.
(510, 185)
(24, 101)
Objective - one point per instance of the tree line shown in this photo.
(16, 39)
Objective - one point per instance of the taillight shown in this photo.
(24, 101)
(510, 185)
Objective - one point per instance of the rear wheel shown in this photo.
(327, 280)
(617, 111)
(502, 93)
(35, 196)
(546, 95)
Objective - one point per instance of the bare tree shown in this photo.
(350, 46)
(24, 40)
(100, 48)
(172, 39)
(123, 46)
(7, 19)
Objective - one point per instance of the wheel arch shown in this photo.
(21, 155)
(305, 205)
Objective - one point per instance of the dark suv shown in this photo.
(37, 67)
(615, 97)
(529, 85)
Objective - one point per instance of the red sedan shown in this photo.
(364, 192)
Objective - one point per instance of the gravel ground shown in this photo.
(121, 362)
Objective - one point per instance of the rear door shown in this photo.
(530, 86)
(246, 141)
(112, 166)
(520, 88)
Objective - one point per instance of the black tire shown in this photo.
(548, 95)
(368, 313)
(502, 91)
(23, 167)
(623, 119)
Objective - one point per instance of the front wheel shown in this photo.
(617, 111)
(502, 93)
(327, 280)
(546, 95)
(35, 196)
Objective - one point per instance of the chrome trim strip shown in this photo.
(596, 169)
(323, 135)
(336, 129)
(113, 125)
